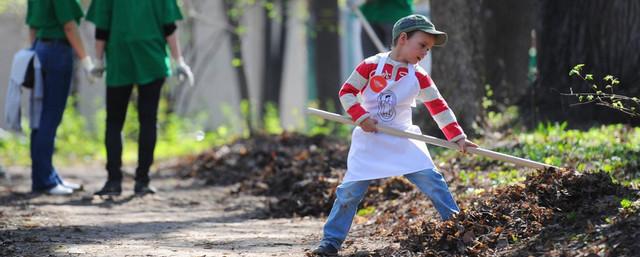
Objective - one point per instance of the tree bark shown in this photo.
(274, 47)
(604, 35)
(325, 27)
(236, 46)
(507, 26)
(458, 66)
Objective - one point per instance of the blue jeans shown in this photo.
(349, 195)
(56, 58)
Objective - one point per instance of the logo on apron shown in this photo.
(377, 83)
(387, 101)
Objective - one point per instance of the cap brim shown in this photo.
(441, 37)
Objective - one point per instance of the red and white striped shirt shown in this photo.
(429, 95)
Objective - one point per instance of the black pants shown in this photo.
(384, 34)
(117, 102)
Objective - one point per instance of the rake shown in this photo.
(438, 142)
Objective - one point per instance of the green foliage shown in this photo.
(626, 203)
(505, 177)
(272, 119)
(13, 6)
(317, 125)
(597, 94)
(366, 211)
(493, 117)
(614, 149)
(76, 143)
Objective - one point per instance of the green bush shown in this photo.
(76, 143)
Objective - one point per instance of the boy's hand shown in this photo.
(369, 125)
(463, 143)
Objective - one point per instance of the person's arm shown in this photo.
(71, 32)
(349, 94)
(182, 69)
(441, 113)
(32, 35)
(100, 44)
(173, 46)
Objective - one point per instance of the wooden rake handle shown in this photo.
(436, 141)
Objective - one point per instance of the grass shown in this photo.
(77, 143)
(614, 149)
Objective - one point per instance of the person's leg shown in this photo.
(385, 32)
(117, 102)
(368, 47)
(57, 63)
(148, 100)
(432, 183)
(348, 196)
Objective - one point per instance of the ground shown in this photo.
(186, 218)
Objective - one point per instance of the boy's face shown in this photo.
(414, 49)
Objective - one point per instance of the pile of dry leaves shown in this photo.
(553, 213)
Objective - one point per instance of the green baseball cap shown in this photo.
(418, 22)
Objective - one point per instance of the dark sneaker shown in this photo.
(325, 250)
(111, 188)
(143, 189)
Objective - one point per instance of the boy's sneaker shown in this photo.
(325, 250)
(112, 188)
(142, 188)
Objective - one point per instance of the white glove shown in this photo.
(183, 70)
(87, 66)
(98, 69)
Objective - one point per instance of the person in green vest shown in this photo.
(134, 35)
(381, 14)
(54, 37)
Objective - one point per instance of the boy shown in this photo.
(389, 84)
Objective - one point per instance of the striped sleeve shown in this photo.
(356, 82)
(438, 108)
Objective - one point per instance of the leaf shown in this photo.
(615, 82)
(589, 77)
(626, 203)
(468, 237)
(608, 77)
(236, 62)
(574, 72)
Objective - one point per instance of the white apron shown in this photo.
(378, 155)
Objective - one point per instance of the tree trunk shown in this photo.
(236, 46)
(604, 35)
(458, 67)
(325, 24)
(507, 28)
(274, 47)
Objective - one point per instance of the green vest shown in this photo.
(386, 11)
(136, 52)
(49, 16)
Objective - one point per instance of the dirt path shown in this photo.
(184, 219)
